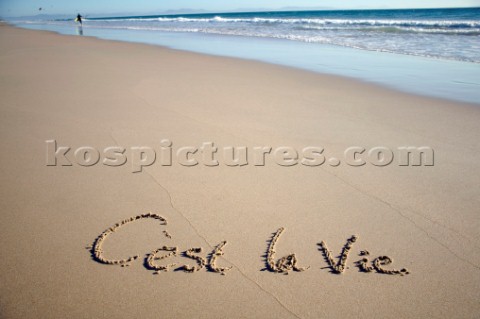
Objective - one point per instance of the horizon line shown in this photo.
(240, 10)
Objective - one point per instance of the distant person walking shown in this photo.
(79, 18)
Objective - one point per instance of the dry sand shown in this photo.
(90, 92)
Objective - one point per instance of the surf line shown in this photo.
(282, 265)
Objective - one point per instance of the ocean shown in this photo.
(439, 33)
(395, 48)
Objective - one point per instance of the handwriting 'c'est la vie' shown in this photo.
(283, 265)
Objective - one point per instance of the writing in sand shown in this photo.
(153, 260)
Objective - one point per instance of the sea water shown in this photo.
(433, 52)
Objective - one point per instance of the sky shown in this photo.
(11, 8)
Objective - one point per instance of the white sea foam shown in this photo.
(430, 36)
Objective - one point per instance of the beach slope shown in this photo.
(84, 92)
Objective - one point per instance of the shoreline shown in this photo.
(381, 76)
(83, 241)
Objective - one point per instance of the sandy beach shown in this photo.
(86, 92)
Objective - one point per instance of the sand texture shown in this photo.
(226, 241)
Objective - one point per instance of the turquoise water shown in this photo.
(427, 52)
(443, 33)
